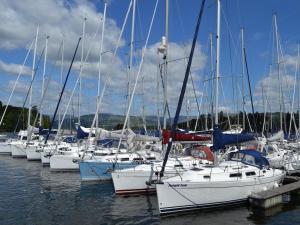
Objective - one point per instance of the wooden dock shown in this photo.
(269, 198)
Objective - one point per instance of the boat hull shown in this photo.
(33, 154)
(18, 151)
(184, 196)
(130, 182)
(61, 163)
(100, 171)
(45, 158)
(5, 148)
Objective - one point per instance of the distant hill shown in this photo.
(111, 121)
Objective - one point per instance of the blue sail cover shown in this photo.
(220, 140)
(81, 134)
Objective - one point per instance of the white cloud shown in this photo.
(63, 20)
(56, 19)
(12, 68)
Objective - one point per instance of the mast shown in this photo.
(100, 61)
(278, 67)
(165, 57)
(62, 92)
(218, 61)
(212, 79)
(130, 73)
(43, 82)
(61, 75)
(15, 84)
(182, 92)
(30, 90)
(81, 60)
(243, 76)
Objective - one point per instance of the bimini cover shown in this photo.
(220, 140)
(250, 157)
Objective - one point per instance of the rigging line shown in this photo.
(287, 86)
(230, 33)
(16, 82)
(250, 91)
(183, 89)
(77, 81)
(137, 77)
(30, 86)
(246, 113)
(294, 92)
(163, 87)
(108, 74)
(227, 114)
(62, 92)
(231, 69)
(185, 53)
(204, 85)
(139, 19)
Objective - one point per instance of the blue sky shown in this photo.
(20, 19)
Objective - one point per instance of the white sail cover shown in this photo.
(276, 137)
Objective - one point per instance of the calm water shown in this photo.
(30, 194)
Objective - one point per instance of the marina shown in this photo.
(117, 117)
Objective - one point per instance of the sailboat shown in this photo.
(228, 182)
(19, 148)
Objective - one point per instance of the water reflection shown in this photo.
(31, 194)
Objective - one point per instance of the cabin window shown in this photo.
(137, 159)
(151, 158)
(206, 177)
(196, 169)
(249, 159)
(124, 159)
(198, 154)
(251, 173)
(235, 175)
(178, 165)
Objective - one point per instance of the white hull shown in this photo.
(45, 158)
(64, 162)
(134, 180)
(184, 196)
(32, 153)
(181, 196)
(5, 148)
(18, 151)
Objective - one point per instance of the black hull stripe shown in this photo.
(167, 210)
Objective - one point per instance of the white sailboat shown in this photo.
(231, 182)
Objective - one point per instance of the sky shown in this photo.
(62, 21)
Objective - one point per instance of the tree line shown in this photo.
(15, 118)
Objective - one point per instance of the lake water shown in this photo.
(31, 194)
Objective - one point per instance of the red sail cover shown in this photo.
(185, 136)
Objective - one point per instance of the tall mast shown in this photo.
(243, 76)
(130, 73)
(278, 67)
(218, 61)
(61, 74)
(43, 82)
(165, 64)
(32, 77)
(212, 79)
(81, 60)
(100, 61)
